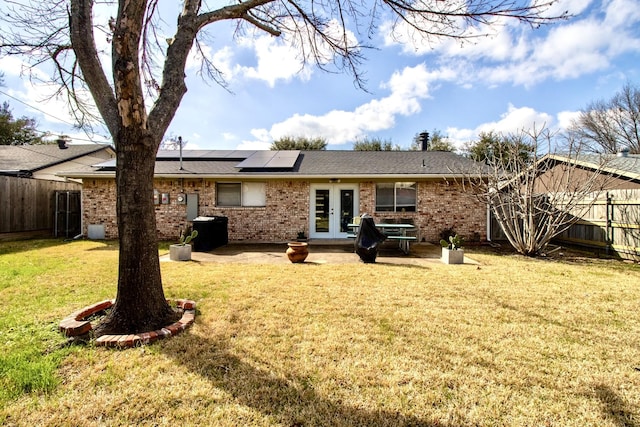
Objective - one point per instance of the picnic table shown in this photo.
(397, 232)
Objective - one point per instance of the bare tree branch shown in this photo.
(82, 39)
(613, 125)
(536, 198)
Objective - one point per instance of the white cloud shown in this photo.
(573, 7)
(407, 88)
(37, 97)
(279, 58)
(83, 138)
(516, 119)
(586, 43)
(12, 66)
(622, 14)
(42, 102)
(262, 141)
(254, 145)
(513, 120)
(276, 60)
(566, 118)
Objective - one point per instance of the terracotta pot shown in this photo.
(297, 251)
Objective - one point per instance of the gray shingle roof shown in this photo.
(313, 163)
(382, 163)
(31, 158)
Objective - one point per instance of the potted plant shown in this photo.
(452, 252)
(302, 237)
(181, 251)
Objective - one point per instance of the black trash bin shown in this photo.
(212, 232)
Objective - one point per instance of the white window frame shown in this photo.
(397, 185)
(252, 194)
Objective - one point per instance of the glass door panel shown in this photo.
(346, 209)
(322, 207)
(332, 209)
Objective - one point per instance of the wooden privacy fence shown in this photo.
(611, 225)
(28, 206)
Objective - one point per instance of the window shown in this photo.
(241, 194)
(396, 197)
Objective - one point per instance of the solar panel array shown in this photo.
(249, 159)
(270, 160)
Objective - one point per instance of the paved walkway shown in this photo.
(319, 253)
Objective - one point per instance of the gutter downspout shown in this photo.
(488, 223)
(81, 216)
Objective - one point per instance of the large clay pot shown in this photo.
(297, 251)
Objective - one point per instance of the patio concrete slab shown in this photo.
(320, 252)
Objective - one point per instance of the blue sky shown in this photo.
(508, 81)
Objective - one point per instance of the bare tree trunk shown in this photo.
(140, 303)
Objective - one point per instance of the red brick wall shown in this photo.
(440, 205)
(99, 205)
(285, 214)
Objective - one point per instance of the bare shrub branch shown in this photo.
(536, 197)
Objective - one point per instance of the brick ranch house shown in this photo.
(271, 196)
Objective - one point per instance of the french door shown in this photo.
(333, 206)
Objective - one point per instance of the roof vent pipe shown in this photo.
(62, 144)
(423, 138)
(624, 152)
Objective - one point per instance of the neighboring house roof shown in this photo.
(298, 164)
(626, 167)
(24, 160)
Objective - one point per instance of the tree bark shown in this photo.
(140, 304)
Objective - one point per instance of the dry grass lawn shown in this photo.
(515, 342)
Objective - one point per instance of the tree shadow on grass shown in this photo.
(19, 246)
(615, 408)
(288, 398)
(106, 245)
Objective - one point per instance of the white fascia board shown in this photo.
(111, 174)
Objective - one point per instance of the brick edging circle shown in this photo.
(76, 325)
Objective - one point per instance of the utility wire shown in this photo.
(27, 147)
(47, 114)
(36, 108)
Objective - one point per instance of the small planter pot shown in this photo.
(297, 251)
(452, 256)
(180, 252)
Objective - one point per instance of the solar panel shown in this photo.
(270, 160)
(204, 154)
(111, 163)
